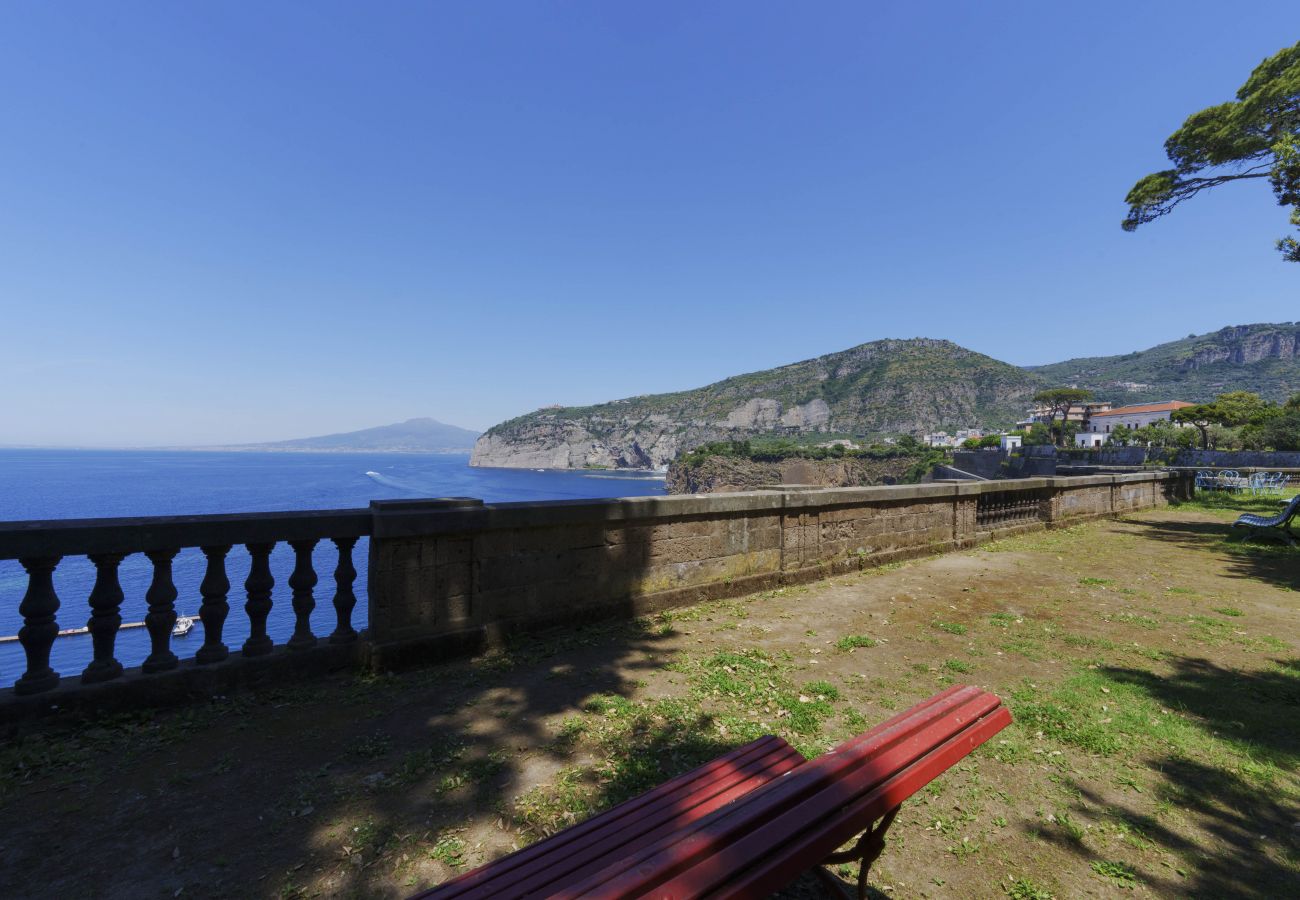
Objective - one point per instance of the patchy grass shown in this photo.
(851, 642)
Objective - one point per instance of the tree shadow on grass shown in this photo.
(1250, 822)
(1251, 833)
(1259, 710)
(1269, 561)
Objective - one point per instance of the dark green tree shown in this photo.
(1255, 136)
(1202, 416)
(1059, 402)
(1280, 431)
(1237, 408)
(1122, 436)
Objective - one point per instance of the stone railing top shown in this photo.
(431, 517)
(68, 537)
(398, 518)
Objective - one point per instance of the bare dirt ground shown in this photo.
(1152, 668)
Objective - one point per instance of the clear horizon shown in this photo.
(254, 223)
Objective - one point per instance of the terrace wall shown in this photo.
(454, 576)
(447, 582)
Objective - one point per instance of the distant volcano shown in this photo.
(412, 436)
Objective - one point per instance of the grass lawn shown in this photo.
(1151, 665)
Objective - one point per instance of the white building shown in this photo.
(1101, 424)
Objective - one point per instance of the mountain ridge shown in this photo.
(1262, 357)
(418, 435)
(886, 386)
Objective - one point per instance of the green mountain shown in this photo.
(1261, 358)
(885, 386)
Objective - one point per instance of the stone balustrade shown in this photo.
(41, 546)
(453, 576)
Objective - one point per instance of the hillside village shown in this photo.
(1093, 424)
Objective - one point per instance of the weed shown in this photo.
(1228, 611)
(851, 642)
(1116, 872)
(1073, 830)
(956, 665)
(450, 850)
(950, 627)
(822, 690)
(1026, 647)
(1024, 889)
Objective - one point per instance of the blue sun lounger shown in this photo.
(1272, 526)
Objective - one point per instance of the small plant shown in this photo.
(1116, 872)
(851, 642)
(822, 690)
(950, 627)
(1228, 611)
(956, 665)
(450, 850)
(1095, 581)
(371, 746)
(1024, 889)
(1072, 828)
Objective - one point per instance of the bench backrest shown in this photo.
(764, 839)
(1291, 509)
(594, 843)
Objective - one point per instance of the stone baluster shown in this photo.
(105, 618)
(344, 598)
(214, 588)
(259, 585)
(38, 609)
(301, 582)
(161, 618)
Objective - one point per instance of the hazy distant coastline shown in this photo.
(423, 435)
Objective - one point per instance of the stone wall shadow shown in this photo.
(253, 795)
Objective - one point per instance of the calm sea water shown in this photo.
(48, 484)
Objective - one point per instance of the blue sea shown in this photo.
(79, 484)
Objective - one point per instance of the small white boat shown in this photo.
(182, 626)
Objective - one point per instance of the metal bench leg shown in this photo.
(867, 849)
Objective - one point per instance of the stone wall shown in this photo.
(455, 580)
(1182, 458)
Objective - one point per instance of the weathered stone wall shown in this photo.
(455, 580)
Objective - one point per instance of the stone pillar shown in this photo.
(401, 579)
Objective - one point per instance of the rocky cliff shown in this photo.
(889, 386)
(1263, 358)
(895, 386)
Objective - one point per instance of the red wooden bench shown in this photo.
(749, 822)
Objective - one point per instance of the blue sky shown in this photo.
(251, 221)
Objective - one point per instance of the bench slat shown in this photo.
(592, 844)
(814, 791)
(780, 859)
